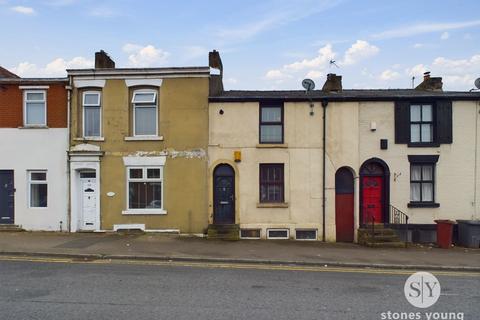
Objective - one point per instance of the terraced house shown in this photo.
(138, 155)
(34, 144)
(328, 164)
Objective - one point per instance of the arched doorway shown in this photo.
(344, 205)
(223, 194)
(374, 191)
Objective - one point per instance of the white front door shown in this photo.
(88, 201)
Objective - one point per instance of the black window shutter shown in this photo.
(402, 122)
(444, 121)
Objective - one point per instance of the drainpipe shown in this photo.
(69, 96)
(324, 106)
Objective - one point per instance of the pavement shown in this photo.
(148, 246)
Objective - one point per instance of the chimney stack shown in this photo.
(430, 83)
(216, 75)
(333, 83)
(103, 61)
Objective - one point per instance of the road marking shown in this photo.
(220, 265)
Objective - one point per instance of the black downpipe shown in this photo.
(324, 106)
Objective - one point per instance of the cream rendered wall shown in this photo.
(38, 149)
(349, 143)
(237, 130)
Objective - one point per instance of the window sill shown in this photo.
(423, 145)
(90, 139)
(272, 145)
(144, 138)
(33, 127)
(423, 205)
(144, 212)
(273, 205)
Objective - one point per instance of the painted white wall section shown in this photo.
(38, 149)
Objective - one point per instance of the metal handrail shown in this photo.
(401, 218)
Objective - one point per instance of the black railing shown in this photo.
(399, 219)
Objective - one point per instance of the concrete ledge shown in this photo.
(325, 264)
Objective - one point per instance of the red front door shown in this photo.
(372, 199)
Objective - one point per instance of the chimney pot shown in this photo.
(333, 83)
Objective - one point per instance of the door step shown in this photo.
(223, 232)
(379, 237)
(10, 228)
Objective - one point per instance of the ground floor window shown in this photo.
(422, 182)
(271, 183)
(38, 190)
(145, 188)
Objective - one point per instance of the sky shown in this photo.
(264, 45)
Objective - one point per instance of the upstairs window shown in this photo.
(271, 183)
(271, 123)
(421, 123)
(35, 109)
(145, 119)
(92, 114)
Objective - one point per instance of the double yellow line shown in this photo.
(223, 265)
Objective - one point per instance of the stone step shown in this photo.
(383, 231)
(224, 232)
(380, 238)
(10, 228)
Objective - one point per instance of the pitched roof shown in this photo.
(345, 95)
(4, 73)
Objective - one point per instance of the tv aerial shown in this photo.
(332, 63)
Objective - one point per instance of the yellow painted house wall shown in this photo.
(183, 123)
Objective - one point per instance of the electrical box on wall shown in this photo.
(383, 144)
(237, 155)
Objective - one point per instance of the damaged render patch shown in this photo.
(171, 153)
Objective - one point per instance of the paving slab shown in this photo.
(160, 246)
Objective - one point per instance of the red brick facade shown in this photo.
(11, 104)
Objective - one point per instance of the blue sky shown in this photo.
(271, 44)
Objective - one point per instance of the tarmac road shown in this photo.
(34, 288)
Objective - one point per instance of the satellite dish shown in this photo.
(477, 83)
(308, 84)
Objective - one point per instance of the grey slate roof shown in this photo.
(345, 95)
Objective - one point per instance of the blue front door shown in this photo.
(7, 197)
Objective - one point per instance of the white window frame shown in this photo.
(134, 106)
(278, 229)
(44, 101)
(133, 211)
(99, 105)
(30, 182)
(306, 229)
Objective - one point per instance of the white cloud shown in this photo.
(413, 30)
(445, 35)
(55, 68)
(325, 54)
(23, 10)
(358, 51)
(314, 74)
(145, 56)
(276, 75)
(418, 45)
(275, 14)
(388, 75)
(457, 74)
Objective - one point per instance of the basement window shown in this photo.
(250, 233)
(306, 234)
(278, 234)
